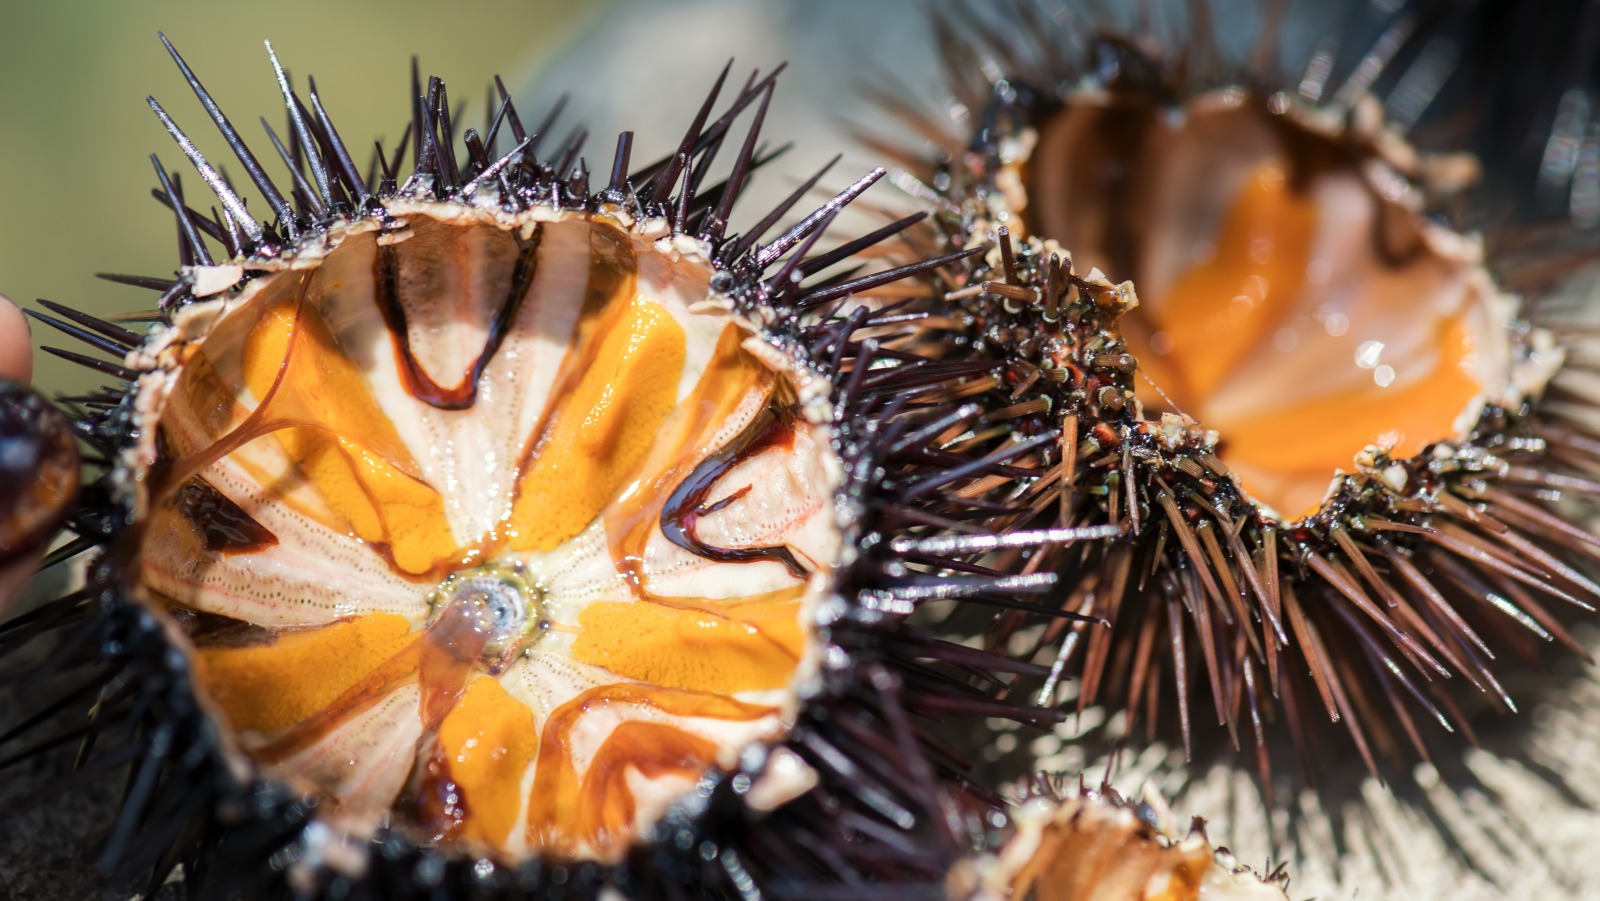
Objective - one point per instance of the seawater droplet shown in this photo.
(1383, 375)
(1367, 355)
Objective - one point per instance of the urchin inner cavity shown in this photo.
(415, 492)
(1292, 296)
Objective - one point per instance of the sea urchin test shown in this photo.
(1318, 425)
(485, 524)
(470, 530)
(1292, 299)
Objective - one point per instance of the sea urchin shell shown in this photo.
(474, 525)
(1079, 844)
(487, 519)
(1319, 426)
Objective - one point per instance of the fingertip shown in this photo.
(16, 346)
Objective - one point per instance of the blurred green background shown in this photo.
(76, 134)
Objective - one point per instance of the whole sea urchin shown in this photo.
(1319, 426)
(475, 528)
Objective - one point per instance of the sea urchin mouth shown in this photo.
(484, 524)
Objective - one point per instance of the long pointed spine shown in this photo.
(197, 244)
(340, 153)
(661, 186)
(275, 199)
(230, 201)
(110, 330)
(303, 186)
(717, 222)
(302, 130)
(794, 235)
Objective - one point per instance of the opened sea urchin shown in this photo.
(472, 527)
(1320, 426)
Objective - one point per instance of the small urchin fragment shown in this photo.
(1072, 843)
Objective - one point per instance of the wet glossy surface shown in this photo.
(1290, 299)
(516, 546)
(1089, 849)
